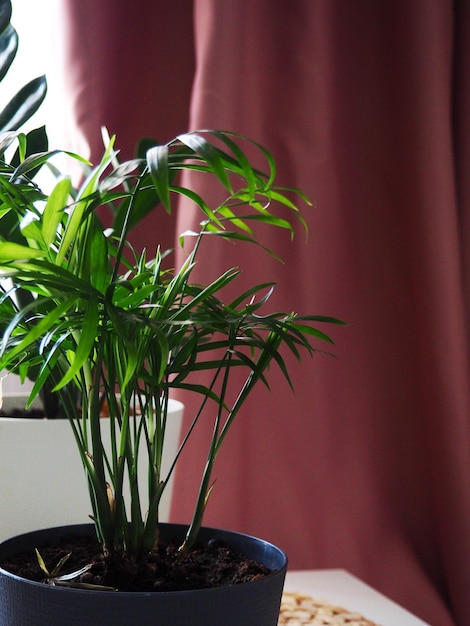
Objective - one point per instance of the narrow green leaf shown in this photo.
(32, 162)
(100, 261)
(84, 198)
(61, 563)
(86, 342)
(22, 147)
(205, 293)
(39, 329)
(121, 330)
(45, 373)
(54, 209)
(157, 161)
(246, 167)
(303, 329)
(247, 296)
(32, 231)
(14, 251)
(41, 563)
(210, 154)
(321, 318)
(199, 201)
(34, 142)
(267, 218)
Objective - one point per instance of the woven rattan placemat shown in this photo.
(298, 609)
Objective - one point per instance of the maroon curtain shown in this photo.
(365, 106)
(127, 66)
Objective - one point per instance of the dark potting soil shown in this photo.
(213, 564)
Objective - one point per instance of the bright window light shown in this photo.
(36, 23)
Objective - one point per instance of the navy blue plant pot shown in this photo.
(27, 603)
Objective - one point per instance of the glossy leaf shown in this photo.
(23, 105)
(210, 154)
(5, 13)
(34, 142)
(8, 48)
(32, 162)
(6, 139)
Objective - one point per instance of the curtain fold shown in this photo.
(364, 105)
(121, 72)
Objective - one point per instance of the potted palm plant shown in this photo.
(106, 323)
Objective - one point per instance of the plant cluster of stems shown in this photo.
(85, 313)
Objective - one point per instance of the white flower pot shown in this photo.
(42, 482)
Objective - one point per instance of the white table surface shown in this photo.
(343, 589)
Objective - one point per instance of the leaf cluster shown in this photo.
(114, 323)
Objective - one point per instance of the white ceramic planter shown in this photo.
(11, 383)
(42, 483)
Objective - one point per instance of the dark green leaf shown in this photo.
(5, 14)
(22, 106)
(210, 154)
(6, 139)
(36, 142)
(8, 48)
(157, 161)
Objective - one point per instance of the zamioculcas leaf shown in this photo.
(8, 48)
(5, 14)
(22, 106)
(33, 143)
(6, 139)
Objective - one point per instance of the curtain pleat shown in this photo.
(128, 67)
